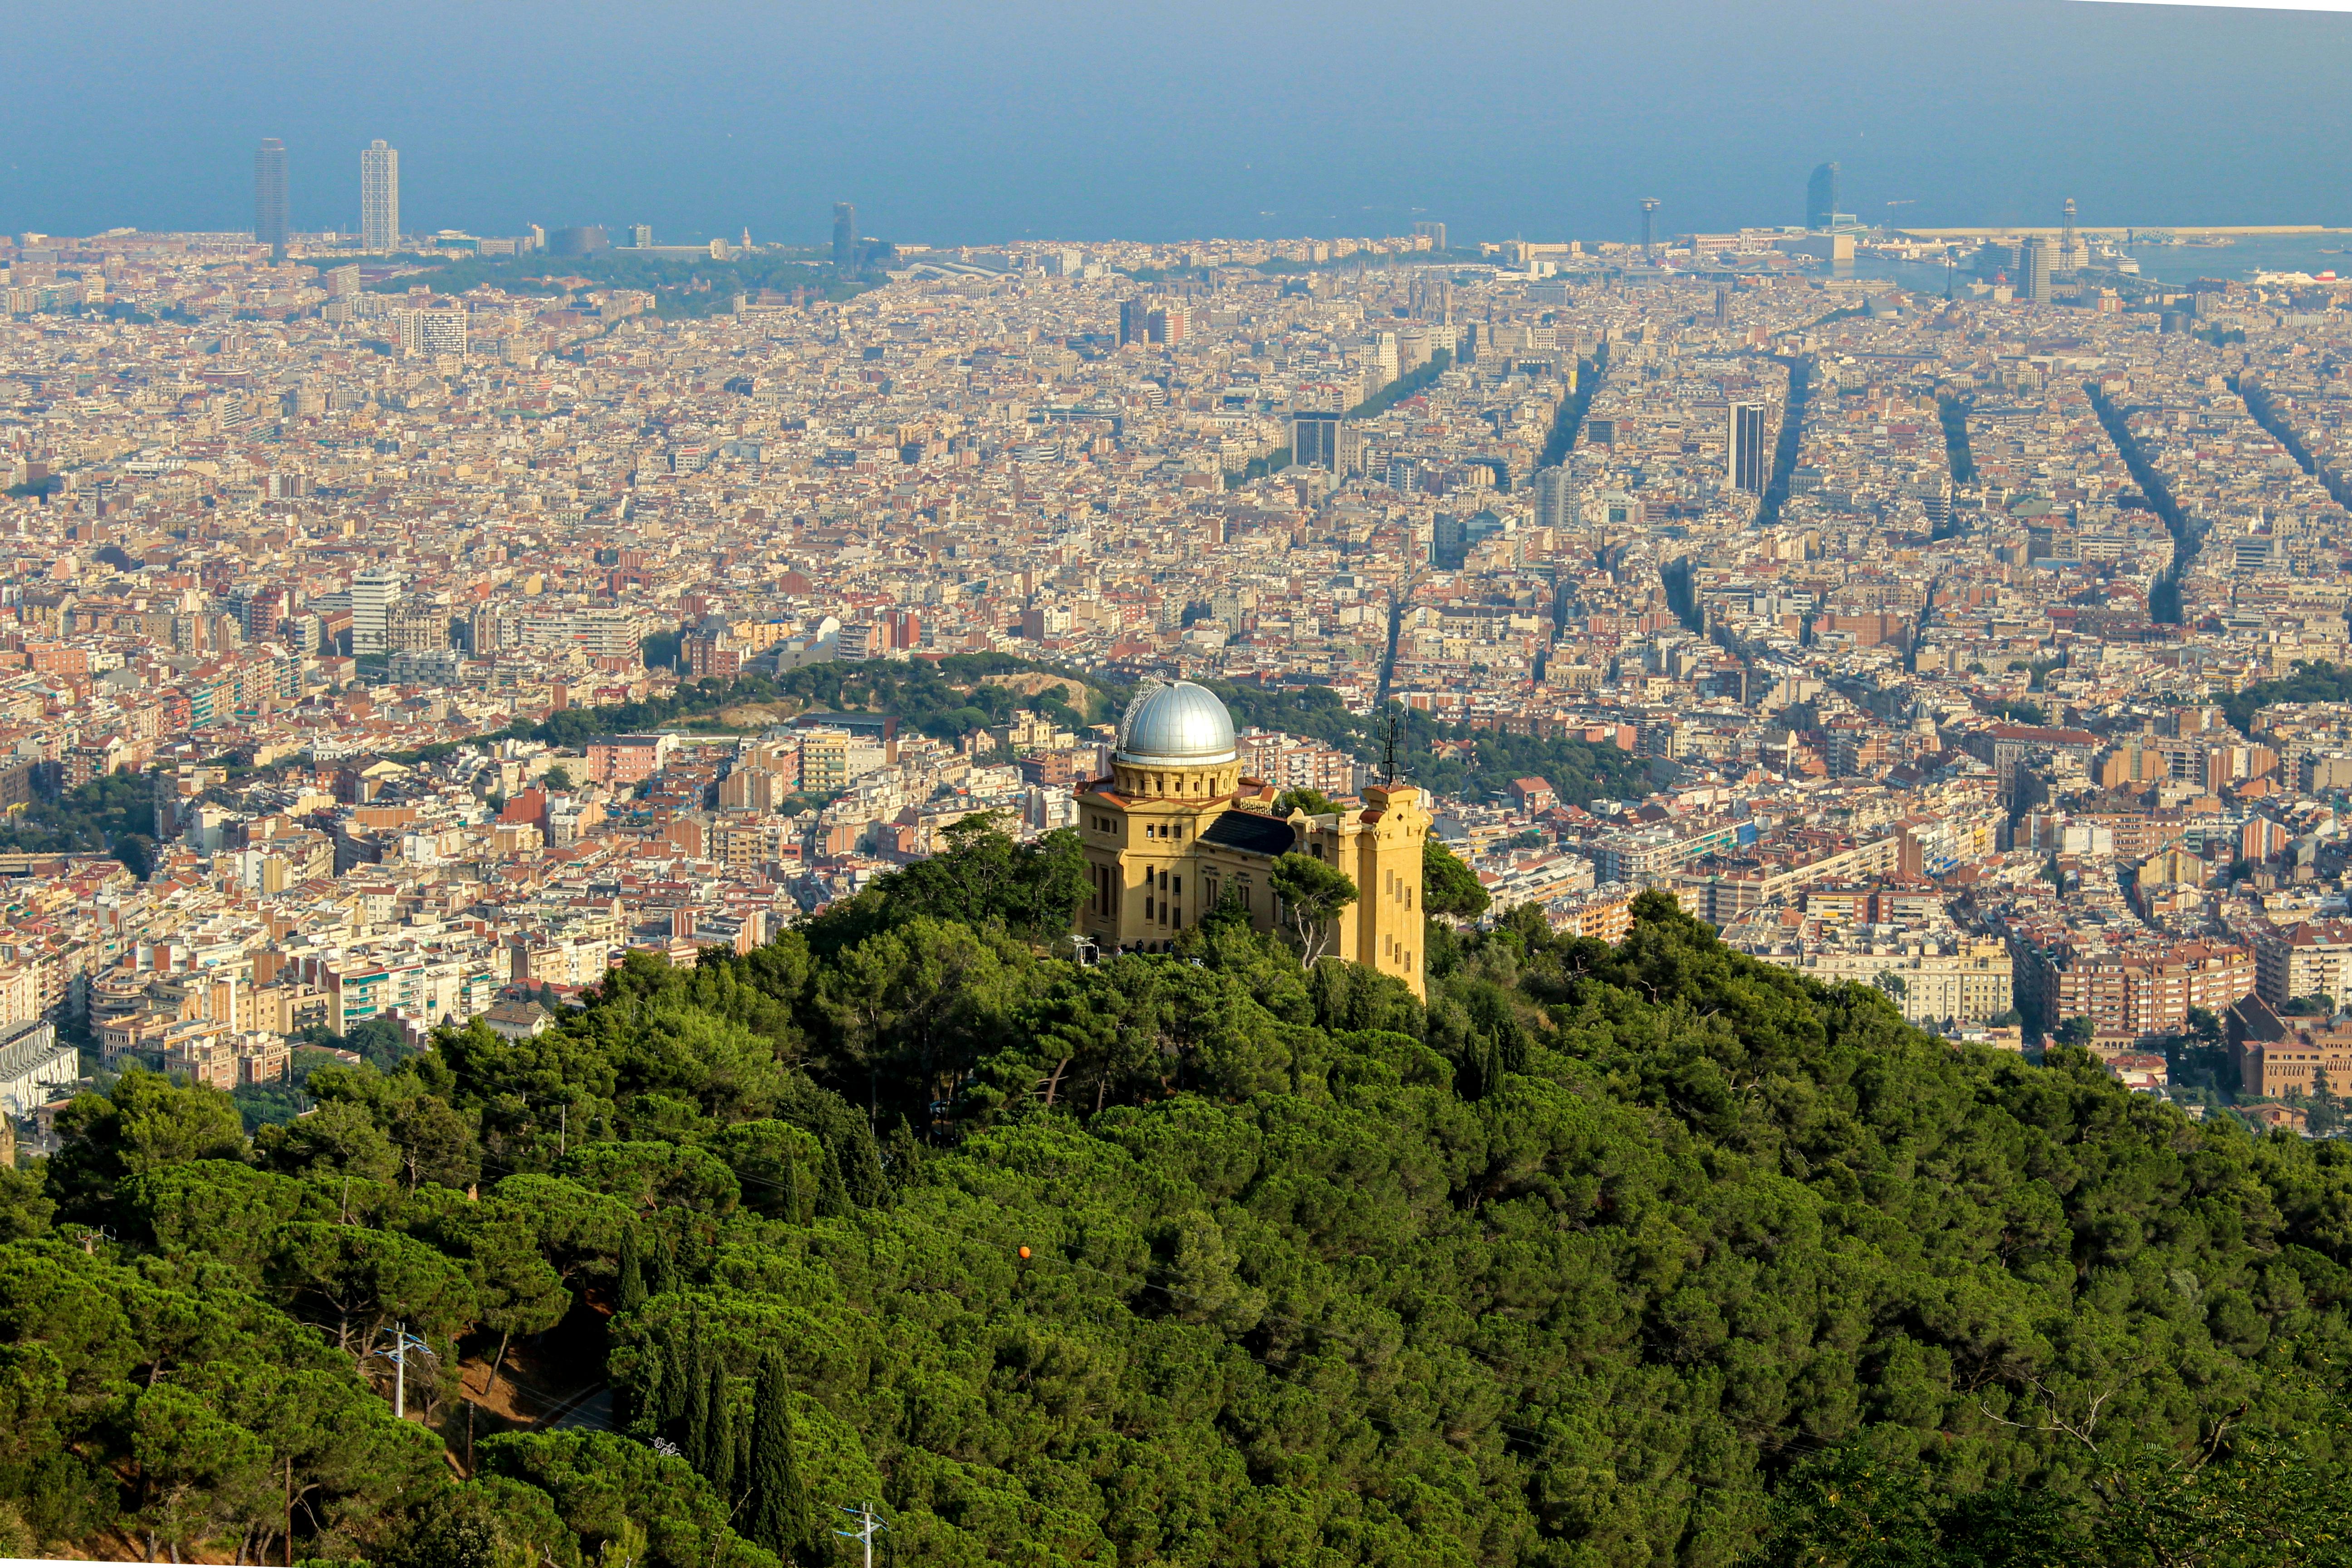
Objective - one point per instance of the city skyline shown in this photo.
(1592, 736)
(2073, 100)
(381, 225)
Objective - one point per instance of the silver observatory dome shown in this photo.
(1179, 726)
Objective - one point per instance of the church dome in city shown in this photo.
(1178, 726)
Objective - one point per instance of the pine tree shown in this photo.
(630, 1294)
(776, 1507)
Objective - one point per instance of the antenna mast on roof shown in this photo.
(1388, 753)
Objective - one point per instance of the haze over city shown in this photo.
(967, 124)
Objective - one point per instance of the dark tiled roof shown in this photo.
(1248, 831)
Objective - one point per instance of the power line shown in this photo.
(867, 1527)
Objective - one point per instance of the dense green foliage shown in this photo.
(1642, 1254)
(682, 285)
(1448, 886)
(1952, 413)
(111, 815)
(1569, 420)
(1274, 462)
(1579, 773)
(1409, 384)
(951, 697)
(2017, 711)
(2308, 682)
(1311, 893)
(1313, 802)
(946, 699)
(1576, 771)
(377, 1041)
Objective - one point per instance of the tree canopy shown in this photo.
(1311, 893)
(1449, 887)
(113, 813)
(1644, 1253)
(2312, 680)
(1472, 763)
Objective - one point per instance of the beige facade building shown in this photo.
(2306, 959)
(1175, 829)
(1954, 982)
(2279, 1056)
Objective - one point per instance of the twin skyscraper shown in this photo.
(379, 197)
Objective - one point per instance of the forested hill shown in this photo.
(1637, 1255)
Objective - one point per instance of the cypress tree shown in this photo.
(665, 1273)
(776, 1507)
(630, 1294)
(903, 1156)
(741, 1457)
(695, 1444)
(669, 1386)
(720, 1440)
(832, 1188)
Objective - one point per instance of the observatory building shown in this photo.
(1176, 828)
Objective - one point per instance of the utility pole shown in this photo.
(401, 1341)
(868, 1526)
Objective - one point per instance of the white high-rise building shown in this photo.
(378, 196)
(432, 332)
(374, 593)
(1557, 502)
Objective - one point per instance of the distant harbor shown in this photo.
(2172, 256)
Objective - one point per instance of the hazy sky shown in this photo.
(966, 123)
